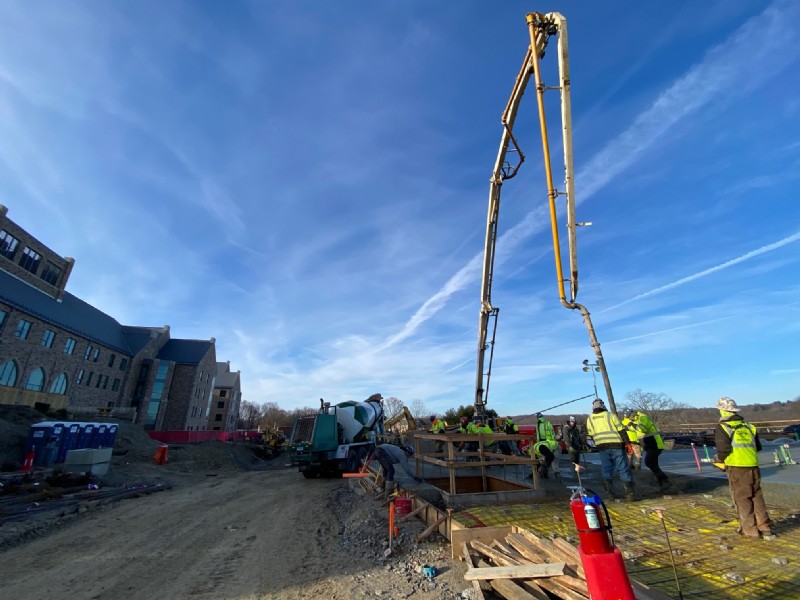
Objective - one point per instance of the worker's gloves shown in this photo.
(629, 448)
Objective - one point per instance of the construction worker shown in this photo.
(737, 448)
(609, 436)
(545, 444)
(439, 427)
(465, 426)
(482, 428)
(389, 455)
(573, 440)
(634, 449)
(508, 426)
(651, 443)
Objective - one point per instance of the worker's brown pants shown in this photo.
(745, 485)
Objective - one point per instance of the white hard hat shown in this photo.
(728, 404)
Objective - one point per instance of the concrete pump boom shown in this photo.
(541, 28)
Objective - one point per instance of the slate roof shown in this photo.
(184, 352)
(226, 379)
(71, 313)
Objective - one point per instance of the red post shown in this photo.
(27, 464)
(696, 458)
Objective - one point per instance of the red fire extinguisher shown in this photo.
(602, 561)
(594, 525)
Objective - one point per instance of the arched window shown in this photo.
(35, 381)
(59, 385)
(8, 374)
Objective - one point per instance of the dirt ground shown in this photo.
(221, 525)
(226, 525)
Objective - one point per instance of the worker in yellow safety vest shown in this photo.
(438, 426)
(508, 426)
(545, 445)
(633, 447)
(609, 436)
(652, 445)
(738, 447)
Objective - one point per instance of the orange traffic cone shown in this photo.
(160, 457)
(27, 464)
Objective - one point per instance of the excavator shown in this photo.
(411, 423)
(541, 27)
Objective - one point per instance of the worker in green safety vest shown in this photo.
(545, 445)
(652, 445)
(737, 448)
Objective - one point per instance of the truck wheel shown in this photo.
(311, 474)
(353, 461)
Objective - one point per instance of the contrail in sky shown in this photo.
(734, 67)
(728, 263)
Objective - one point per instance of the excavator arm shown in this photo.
(541, 28)
(405, 414)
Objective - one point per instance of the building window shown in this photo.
(35, 381)
(30, 260)
(155, 395)
(223, 393)
(96, 354)
(89, 379)
(8, 244)
(23, 327)
(123, 364)
(79, 378)
(111, 360)
(47, 338)
(59, 385)
(105, 382)
(8, 374)
(88, 352)
(50, 273)
(69, 346)
(115, 385)
(218, 417)
(221, 404)
(3, 315)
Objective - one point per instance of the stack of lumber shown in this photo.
(525, 566)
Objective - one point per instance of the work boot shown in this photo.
(630, 491)
(608, 486)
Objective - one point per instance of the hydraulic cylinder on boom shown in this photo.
(541, 28)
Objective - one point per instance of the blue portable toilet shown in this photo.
(38, 436)
(111, 435)
(48, 444)
(68, 440)
(86, 434)
(99, 438)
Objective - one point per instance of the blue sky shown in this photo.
(307, 182)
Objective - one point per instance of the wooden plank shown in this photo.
(533, 589)
(516, 572)
(476, 586)
(496, 556)
(574, 583)
(460, 534)
(519, 544)
(553, 554)
(511, 591)
(560, 590)
(568, 548)
(508, 551)
(413, 513)
(431, 529)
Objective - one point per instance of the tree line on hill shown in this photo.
(667, 414)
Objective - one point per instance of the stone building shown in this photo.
(227, 397)
(60, 352)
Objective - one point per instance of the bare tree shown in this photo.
(666, 413)
(392, 406)
(418, 409)
(249, 415)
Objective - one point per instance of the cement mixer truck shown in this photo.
(336, 439)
